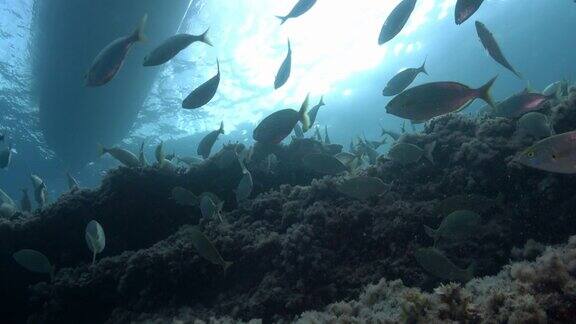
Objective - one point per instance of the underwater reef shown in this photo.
(302, 250)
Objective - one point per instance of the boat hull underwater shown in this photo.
(73, 117)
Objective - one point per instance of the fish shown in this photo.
(125, 157)
(326, 138)
(556, 88)
(2, 137)
(36, 181)
(465, 9)
(313, 113)
(5, 157)
(362, 187)
(95, 238)
(553, 154)
(300, 8)
(368, 150)
(437, 264)
(207, 250)
(317, 135)
(204, 93)
(159, 154)
(284, 71)
(274, 128)
(395, 136)
(456, 227)
(206, 144)
(396, 21)
(142, 156)
(110, 59)
(245, 186)
(535, 124)
(34, 261)
(323, 163)
(25, 202)
(172, 46)
(402, 80)
(406, 153)
(298, 131)
(7, 210)
(184, 197)
(491, 45)
(521, 103)
(430, 100)
(351, 161)
(189, 160)
(72, 182)
(209, 208)
(41, 195)
(4, 198)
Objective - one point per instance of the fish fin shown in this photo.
(321, 103)
(218, 65)
(139, 35)
(101, 149)
(226, 265)
(221, 129)
(484, 92)
(204, 38)
(289, 46)
(303, 114)
(423, 67)
(430, 232)
(429, 150)
(282, 19)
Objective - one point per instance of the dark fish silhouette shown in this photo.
(109, 61)
(2, 136)
(204, 93)
(206, 144)
(274, 128)
(396, 20)
(314, 111)
(25, 202)
(284, 70)
(298, 10)
(465, 9)
(402, 80)
(520, 104)
(490, 44)
(172, 46)
(429, 100)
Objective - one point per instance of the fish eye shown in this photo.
(530, 154)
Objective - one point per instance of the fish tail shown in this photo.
(282, 19)
(221, 129)
(139, 35)
(204, 38)
(303, 114)
(321, 103)
(484, 92)
(101, 149)
(423, 67)
(429, 150)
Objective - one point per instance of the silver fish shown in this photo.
(465, 9)
(437, 264)
(362, 187)
(172, 46)
(274, 128)
(535, 124)
(284, 71)
(402, 80)
(210, 209)
(313, 113)
(553, 154)
(457, 226)
(206, 144)
(323, 163)
(34, 261)
(207, 250)
(109, 61)
(203, 93)
(72, 182)
(396, 21)
(301, 7)
(298, 131)
(244, 189)
(491, 45)
(123, 156)
(405, 153)
(184, 197)
(520, 104)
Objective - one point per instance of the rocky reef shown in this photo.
(303, 251)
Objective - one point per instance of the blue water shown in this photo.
(335, 54)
